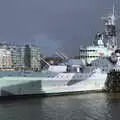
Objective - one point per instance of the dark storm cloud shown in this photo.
(52, 23)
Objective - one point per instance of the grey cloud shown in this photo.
(66, 23)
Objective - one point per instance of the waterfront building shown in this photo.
(5, 59)
(17, 54)
(20, 57)
(35, 63)
(25, 57)
(28, 57)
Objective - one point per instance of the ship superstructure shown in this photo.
(104, 44)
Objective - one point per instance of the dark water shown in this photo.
(97, 106)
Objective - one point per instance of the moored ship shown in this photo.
(68, 78)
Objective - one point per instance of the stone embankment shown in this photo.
(113, 81)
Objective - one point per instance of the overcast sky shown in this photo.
(52, 24)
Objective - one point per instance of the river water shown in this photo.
(92, 106)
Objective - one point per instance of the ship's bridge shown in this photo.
(90, 53)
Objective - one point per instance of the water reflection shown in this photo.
(97, 106)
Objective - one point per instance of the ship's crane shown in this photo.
(61, 55)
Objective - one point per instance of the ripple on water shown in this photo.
(97, 106)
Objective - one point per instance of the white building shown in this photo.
(35, 58)
(5, 59)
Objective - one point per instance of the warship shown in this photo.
(71, 76)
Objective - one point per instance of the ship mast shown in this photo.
(110, 29)
(113, 18)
